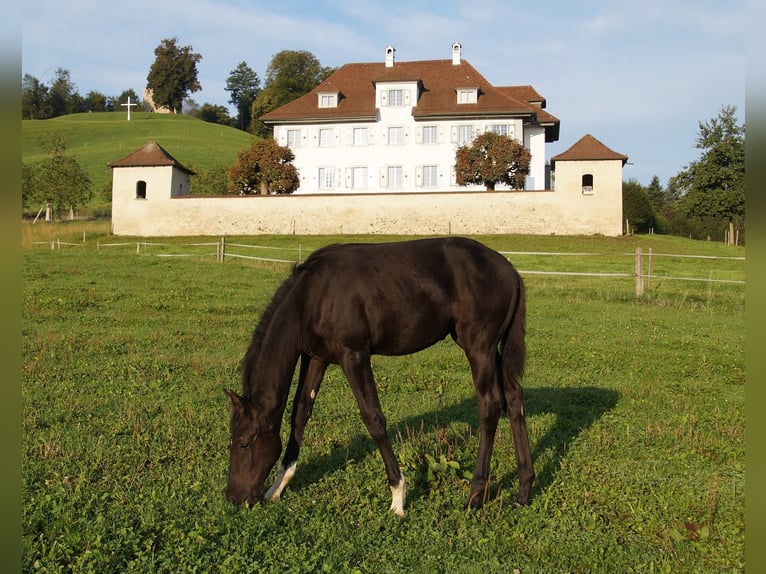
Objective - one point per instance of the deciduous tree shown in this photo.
(173, 74)
(58, 180)
(491, 159)
(214, 114)
(637, 206)
(210, 180)
(714, 185)
(291, 74)
(264, 168)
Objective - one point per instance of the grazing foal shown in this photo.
(348, 302)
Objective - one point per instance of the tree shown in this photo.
(62, 95)
(59, 180)
(264, 168)
(637, 206)
(134, 99)
(210, 180)
(95, 101)
(173, 74)
(244, 85)
(657, 196)
(290, 75)
(214, 114)
(34, 99)
(492, 158)
(714, 185)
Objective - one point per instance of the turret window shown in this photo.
(587, 184)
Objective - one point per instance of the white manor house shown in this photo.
(374, 147)
(394, 126)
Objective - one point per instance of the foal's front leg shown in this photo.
(358, 371)
(310, 377)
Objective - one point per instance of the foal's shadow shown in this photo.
(575, 409)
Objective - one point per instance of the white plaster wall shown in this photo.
(566, 211)
(411, 213)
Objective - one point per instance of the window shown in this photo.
(467, 96)
(360, 178)
(395, 136)
(395, 176)
(429, 134)
(500, 129)
(464, 135)
(325, 178)
(293, 138)
(141, 189)
(395, 97)
(430, 176)
(325, 138)
(360, 136)
(328, 100)
(587, 184)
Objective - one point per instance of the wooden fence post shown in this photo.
(639, 274)
(649, 272)
(222, 249)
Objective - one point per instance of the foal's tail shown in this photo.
(513, 348)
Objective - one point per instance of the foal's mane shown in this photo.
(256, 343)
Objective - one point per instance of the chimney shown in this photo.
(390, 56)
(456, 48)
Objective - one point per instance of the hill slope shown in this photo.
(99, 138)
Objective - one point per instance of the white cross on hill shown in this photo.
(128, 106)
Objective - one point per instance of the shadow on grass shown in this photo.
(575, 409)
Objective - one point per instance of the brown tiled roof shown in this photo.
(151, 155)
(438, 79)
(526, 93)
(586, 148)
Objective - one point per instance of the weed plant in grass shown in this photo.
(635, 411)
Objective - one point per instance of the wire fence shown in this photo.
(643, 270)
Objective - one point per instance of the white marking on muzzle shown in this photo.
(398, 495)
(283, 477)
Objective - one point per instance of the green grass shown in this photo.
(635, 411)
(99, 138)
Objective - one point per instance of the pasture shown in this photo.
(635, 409)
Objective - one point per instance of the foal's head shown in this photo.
(252, 453)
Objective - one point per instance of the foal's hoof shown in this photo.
(521, 501)
(474, 501)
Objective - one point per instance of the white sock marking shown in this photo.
(398, 495)
(283, 477)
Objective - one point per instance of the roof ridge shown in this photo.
(588, 148)
(150, 154)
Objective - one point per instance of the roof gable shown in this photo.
(588, 148)
(150, 155)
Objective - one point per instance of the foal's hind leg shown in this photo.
(514, 397)
(490, 402)
(310, 377)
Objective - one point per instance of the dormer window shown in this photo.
(328, 100)
(467, 95)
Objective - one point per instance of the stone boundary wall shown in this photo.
(498, 212)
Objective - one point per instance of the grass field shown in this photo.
(635, 411)
(99, 138)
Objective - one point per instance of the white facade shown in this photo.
(395, 153)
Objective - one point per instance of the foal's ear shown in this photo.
(237, 402)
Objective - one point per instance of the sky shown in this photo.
(639, 75)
